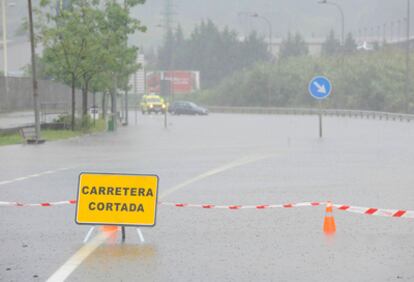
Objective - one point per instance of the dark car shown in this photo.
(186, 108)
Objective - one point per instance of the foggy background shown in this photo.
(305, 16)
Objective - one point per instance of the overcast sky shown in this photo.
(305, 16)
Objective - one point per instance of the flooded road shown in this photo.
(223, 160)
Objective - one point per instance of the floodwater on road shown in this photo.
(224, 160)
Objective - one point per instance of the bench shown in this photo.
(29, 135)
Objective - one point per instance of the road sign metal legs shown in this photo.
(88, 235)
(141, 236)
(139, 232)
(123, 234)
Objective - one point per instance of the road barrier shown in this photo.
(395, 213)
(309, 111)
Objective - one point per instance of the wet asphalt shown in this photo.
(358, 162)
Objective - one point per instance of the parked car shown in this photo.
(186, 108)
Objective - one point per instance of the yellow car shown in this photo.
(153, 104)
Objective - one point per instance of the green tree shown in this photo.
(331, 46)
(87, 42)
(350, 45)
(364, 81)
(166, 52)
(215, 53)
(65, 43)
(293, 46)
(120, 61)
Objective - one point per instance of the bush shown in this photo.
(81, 124)
(364, 80)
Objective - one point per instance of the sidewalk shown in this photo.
(20, 119)
(16, 119)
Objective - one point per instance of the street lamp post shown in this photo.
(342, 17)
(407, 58)
(171, 69)
(269, 25)
(4, 22)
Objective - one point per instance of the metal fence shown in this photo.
(16, 94)
(309, 111)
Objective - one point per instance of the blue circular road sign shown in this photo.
(320, 87)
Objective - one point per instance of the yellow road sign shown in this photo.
(117, 199)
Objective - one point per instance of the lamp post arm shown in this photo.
(270, 34)
(342, 20)
(269, 25)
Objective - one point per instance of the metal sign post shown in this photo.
(320, 88)
(320, 119)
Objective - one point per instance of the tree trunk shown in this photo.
(113, 103)
(73, 103)
(104, 105)
(126, 107)
(113, 108)
(85, 100)
(85, 90)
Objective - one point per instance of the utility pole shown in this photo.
(34, 79)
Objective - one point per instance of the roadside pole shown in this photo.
(407, 60)
(165, 119)
(320, 119)
(168, 99)
(136, 108)
(4, 23)
(94, 108)
(320, 88)
(126, 107)
(135, 99)
(34, 79)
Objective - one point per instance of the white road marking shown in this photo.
(20, 178)
(65, 270)
(33, 176)
(212, 172)
(73, 262)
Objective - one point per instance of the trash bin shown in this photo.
(111, 124)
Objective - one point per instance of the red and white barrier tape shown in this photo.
(182, 205)
(17, 204)
(353, 209)
(376, 211)
(240, 207)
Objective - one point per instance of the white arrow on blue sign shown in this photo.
(320, 87)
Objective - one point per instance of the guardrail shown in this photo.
(309, 111)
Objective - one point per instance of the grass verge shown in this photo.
(52, 135)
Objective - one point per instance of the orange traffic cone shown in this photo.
(109, 228)
(329, 226)
(111, 233)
